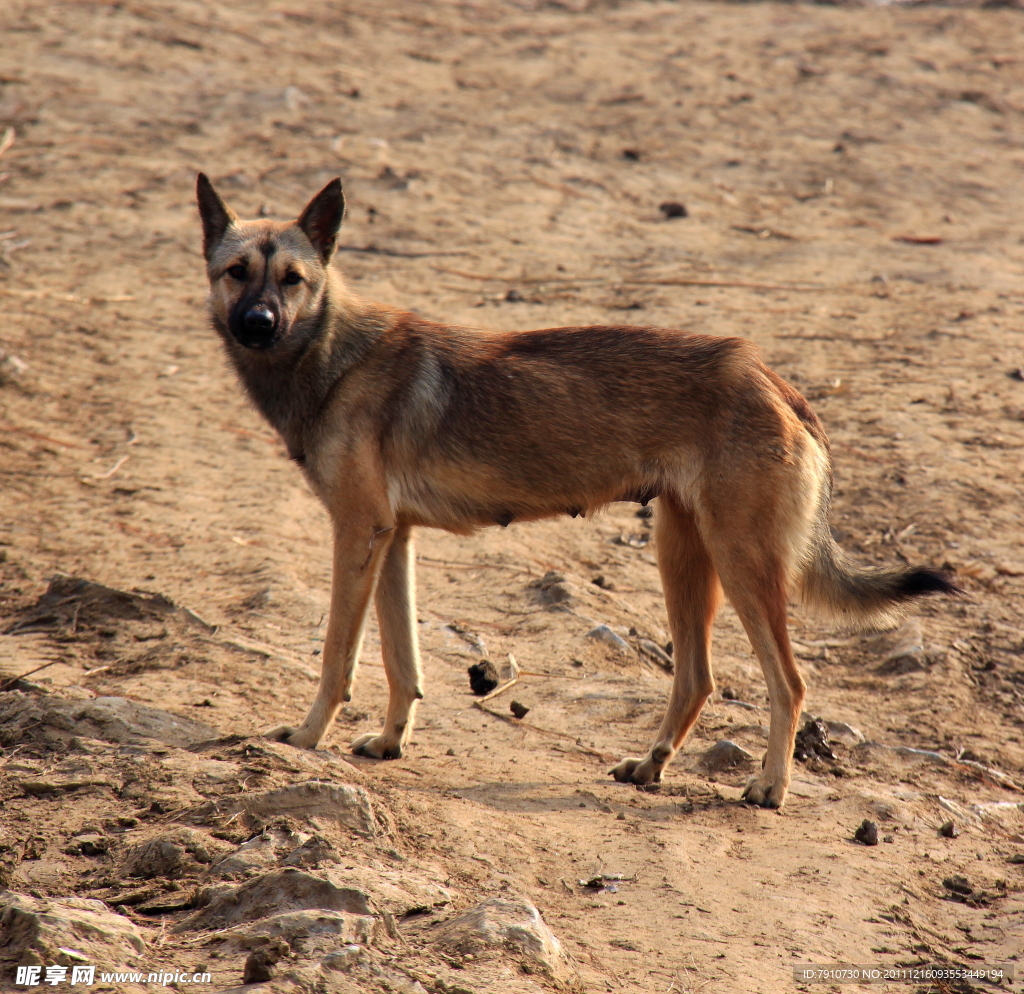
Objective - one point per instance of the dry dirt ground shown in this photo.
(854, 186)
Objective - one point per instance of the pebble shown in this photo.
(867, 834)
(949, 830)
(725, 755)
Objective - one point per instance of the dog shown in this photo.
(398, 422)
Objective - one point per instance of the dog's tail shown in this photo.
(835, 584)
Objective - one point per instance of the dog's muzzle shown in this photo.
(257, 328)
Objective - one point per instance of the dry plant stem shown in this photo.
(494, 693)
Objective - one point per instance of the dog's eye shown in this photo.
(291, 278)
(237, 272)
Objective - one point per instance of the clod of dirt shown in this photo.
(312, 853)
(257, 855)
(725, 755)
(903, 650)
(170, 855)
(867, 833)
(39, 930)
(341, 803)
(553, 590)
(958, 885)
(307, 933)
(92, 844)
(604, 634)
(260, 963)
(51, 720)
(949, 830)
(519, 710)
(504, 923)
(272, 893)
(483, 677)
(672, 208)
(73, 602)
(812, 740)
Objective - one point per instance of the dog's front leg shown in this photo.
(361, 542)
(396, 615)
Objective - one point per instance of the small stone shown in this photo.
(958, 885)
(867, 834)
(260, 963)
(604, 634)
(729, 694)
(514, 297)
(519, 710)
(483, 677)
(725, 755)
(631, 154)
(450, 752)
(888, 838)
(672, 208)
(949, 830)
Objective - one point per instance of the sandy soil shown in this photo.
(854, 184)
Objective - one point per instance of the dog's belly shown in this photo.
(467, 498)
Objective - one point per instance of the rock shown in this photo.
(343, 959)
(724, 755)
(949, 830)
(273, 893)
(91, 844)
(604, 634)
(260, 853)
(14, 372)
(673, 209)
(65, 932)
(314, 800)
(483, 677)
(519, 710)
(958, 885)
(729, 694)
(655, 652)
(260, 963)
(812, 740)
(554, 590)
(505, 923)
(312, 853)
(307, 933)
(867, 833)
(903, 650)
(172, 855)
(110, 719)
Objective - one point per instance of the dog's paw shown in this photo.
(638, 771)
(291, 736)
(377, 747)
(765, 793)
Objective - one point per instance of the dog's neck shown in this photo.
(291, 389)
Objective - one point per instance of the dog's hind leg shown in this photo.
(396, 615)
(692, 596)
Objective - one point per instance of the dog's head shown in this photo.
(266, 277)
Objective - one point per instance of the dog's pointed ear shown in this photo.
(322, 217)
(216, 216)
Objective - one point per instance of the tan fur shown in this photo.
(398, 422)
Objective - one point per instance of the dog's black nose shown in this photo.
(259, 320)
